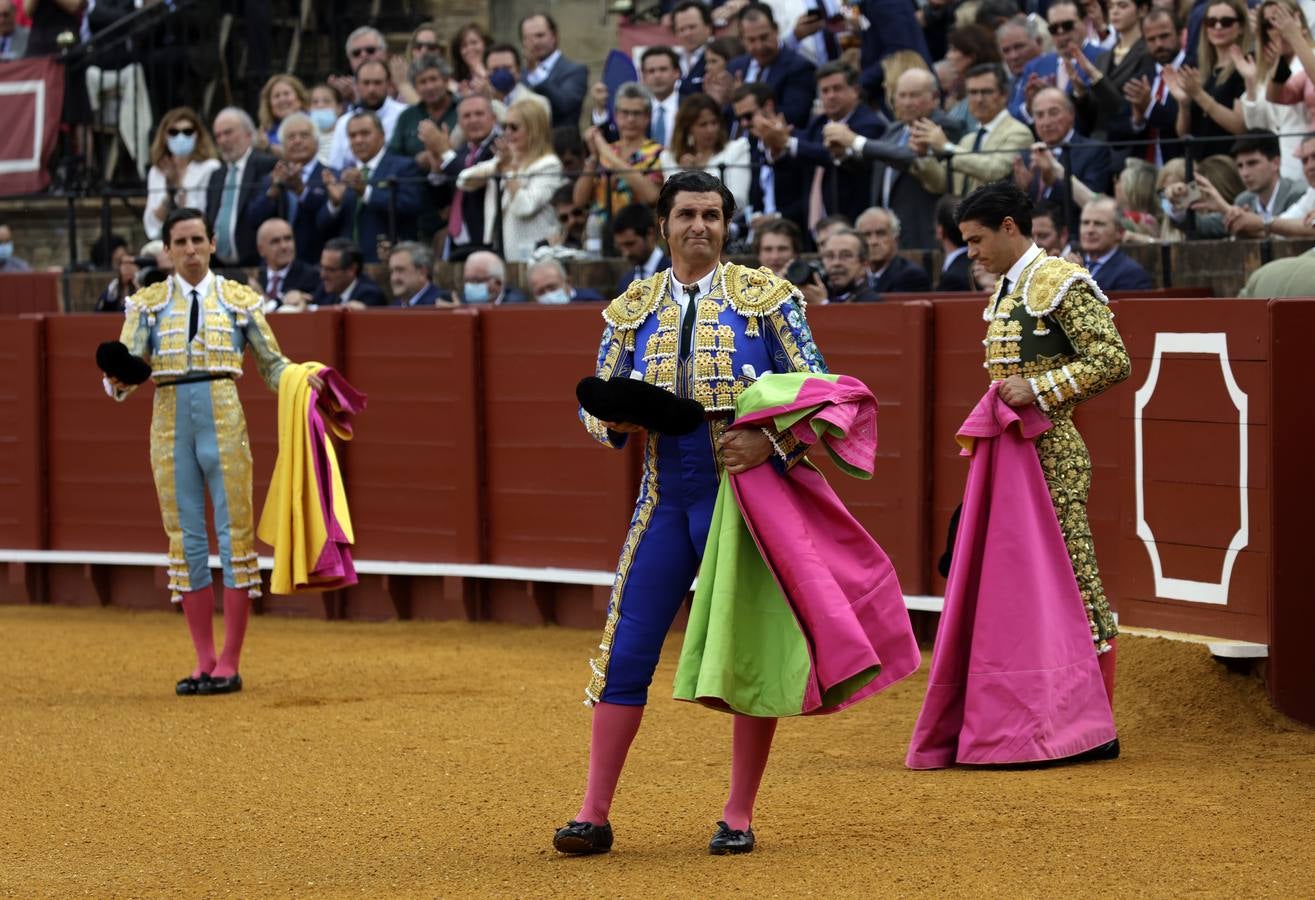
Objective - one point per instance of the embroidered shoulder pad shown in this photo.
(150, 299)
(1049, 280)
(629, 311)
(238, 296)
(757, 292)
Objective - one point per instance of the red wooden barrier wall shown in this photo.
(29, 292)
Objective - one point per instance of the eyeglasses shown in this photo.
(185, 131)
(426, 45)
(1064, 26)
(365, 51)
(1221, 21)
(511, 126)
(841, 255)
(984, 92)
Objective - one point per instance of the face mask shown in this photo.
(557, 296)
(502, 80)
(324, 119)
(1172, 211)
(182, 144)
(476, 292)
(6, 251)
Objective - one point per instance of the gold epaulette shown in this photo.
(628, 312)
(1049, 280)
(238, 296)
(757, 292)
(150, 299)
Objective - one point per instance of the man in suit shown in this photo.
(892, 25)
(634, 234)
(691, 21)
(845, 256)
(1068, 26)
(1040, 172)
(294, 188)
(343, 279)
(281, 273)
(484, 281)
(1298, 220)
(1153, 111)
(1101, 233)
(13, 37)
(775, 191)
(1268, 194)
(956, 267)
(1049, 230)
(550, 73)
(982, 156)
(377, 197)
(410, 268)
(465, 219)
(232, 186)
(917, 96)
(845, 181)
(548, 283)
(891, 273)
(810, 37)
(790, 76)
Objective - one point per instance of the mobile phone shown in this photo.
(1193, 194)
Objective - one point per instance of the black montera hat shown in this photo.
(115, 360)
(639, 403)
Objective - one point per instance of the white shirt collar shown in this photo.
(704, 285)
(1101, 260)
(241, 161)
(347, 294)
(1177, 61)
(203, 288)
(417, 295)
(1016, 270)
(651, 264)
(282, 273)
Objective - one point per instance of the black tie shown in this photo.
(194, 318)
(977, 141)
(687, 324)
(1004, 289)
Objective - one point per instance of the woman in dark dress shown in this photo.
(1211, 106)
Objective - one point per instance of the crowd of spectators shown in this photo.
(845, 131)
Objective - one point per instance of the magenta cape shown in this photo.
(1014, 676)
(848, 634)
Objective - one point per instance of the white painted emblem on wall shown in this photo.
(32, 162)
(1211, 343)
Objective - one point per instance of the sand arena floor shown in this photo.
(416, 759)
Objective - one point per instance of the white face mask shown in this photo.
(181, 144)
(555, 296)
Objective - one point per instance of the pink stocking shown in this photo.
(614, 728)
(237, 608)
(1106, 661)
(751, 742)
(199, 610)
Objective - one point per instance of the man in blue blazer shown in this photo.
(691, 21)
(891, 273)
(548, 282)
(281, 272)
(1090, 162)
(1067, 29)
(410, 275)
(1101, 233)
(561, 80)
(294, 191)
(846, 182)
(791, 77)
(344, 281)
(383, 191)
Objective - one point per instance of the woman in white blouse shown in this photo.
(182, 158)
(530, 174)
(699, 142)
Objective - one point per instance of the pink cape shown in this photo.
(1014, 676)
(842, 587)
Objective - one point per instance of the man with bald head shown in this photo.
(13, 37)
(373, 83)
(283, 277)
(465, 220)
(917, 96)
(233, 186)
(1041, 172)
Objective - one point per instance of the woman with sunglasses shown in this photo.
(1212, 108)
(182, 158)
(424, 42)
(530, 175)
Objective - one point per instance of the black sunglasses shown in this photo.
(1221, 21)
(174, 132)
(1063, 27)
(361, 51)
